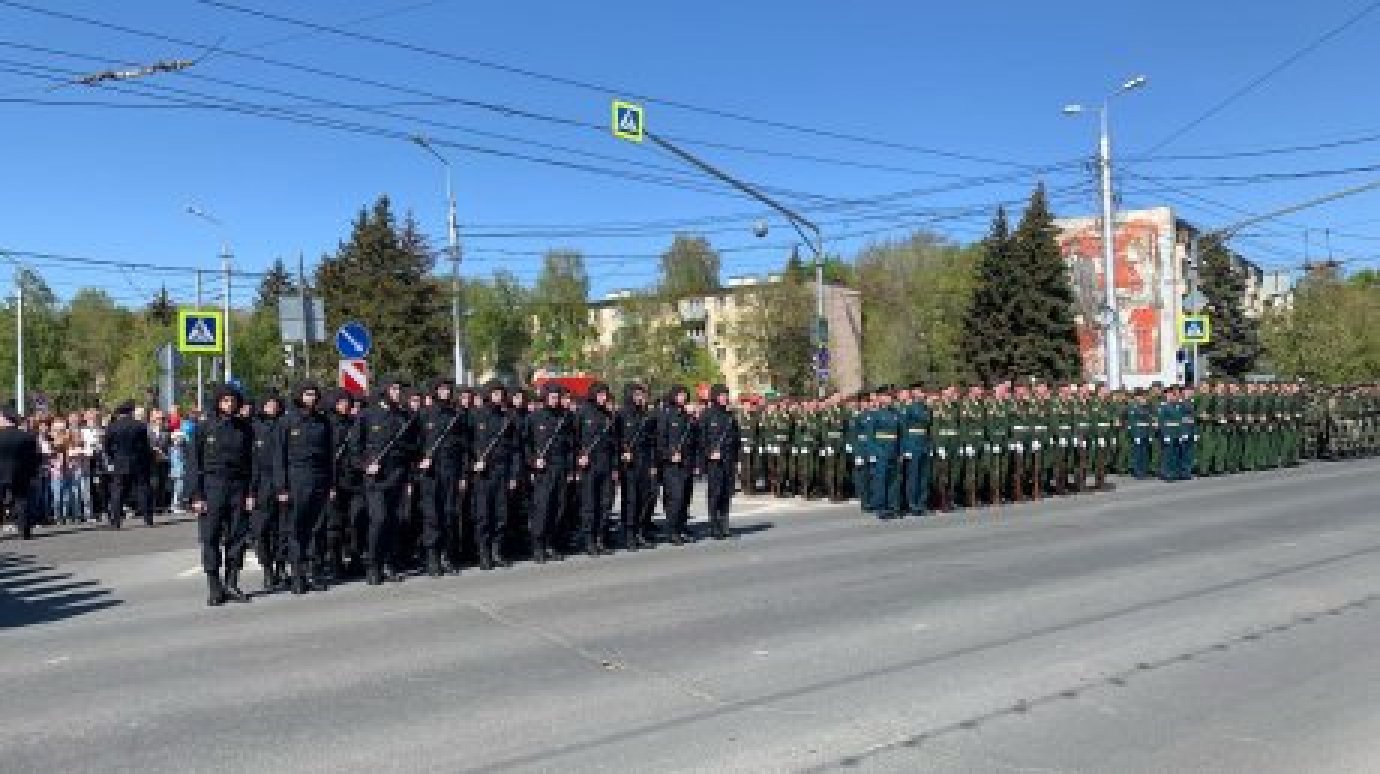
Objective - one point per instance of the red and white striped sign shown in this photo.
(354, 376)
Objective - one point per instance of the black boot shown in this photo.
(215, 596)
(270, 579)
(677, 539)
(486, 558)
(552, 553)
(591, 546)
(499, 559)
(372, 575)
(317, 576)
(231, 587)
(539, 551)
(391, 574)
(299, 578)
(630, 539)
(433, 562)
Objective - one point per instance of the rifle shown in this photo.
(445, 431)
(552, 439)
(484, 457)
(684, 436)
(389, 446)
(585, 452)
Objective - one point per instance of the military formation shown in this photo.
(324, 488)
(912, 450)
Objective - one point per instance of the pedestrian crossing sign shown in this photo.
(627, 121)
(200, 331)
(1195, 329)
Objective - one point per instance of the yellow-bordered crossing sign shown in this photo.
(1195, 329)
(628, 121)
(201, 331)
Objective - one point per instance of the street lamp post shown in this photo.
(1111, 333)
(225, 256)
(453, 247)
(19, 339)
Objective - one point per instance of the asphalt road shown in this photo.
(1226, 625)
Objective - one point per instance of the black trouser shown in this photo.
(222, 523)
(719, 492)
(638, 496)
(677, 480)
(122, 485)
(383, 497)
(490, 508)
(548, 491)
(307, 501)
(262, 531)
(440, 492)
(15, 499)
(596, 500)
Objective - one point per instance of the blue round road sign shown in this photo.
(352, 341)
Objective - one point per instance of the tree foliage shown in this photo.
(1045, 336)
(689, 267)
(773, 333)
(1328, 334)
(498, 328)
(559, 303)
(380, 276)
(915, 293)
(650, 345)
(1235, 337)
(990, 337)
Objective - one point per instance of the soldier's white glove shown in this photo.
(1018, 447)
(872, 460)
(942, 453)
(858, 461)
(848, 447)
(824, 452)
(1102, 443)
(907, 456)
(1137, 442)
(1063, 443)
(1035, 446)
(1197, 438)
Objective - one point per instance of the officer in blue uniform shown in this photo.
(915, 450)
(884, 452)
(1170, 417)
(1140, 424)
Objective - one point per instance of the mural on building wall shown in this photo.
(1139, 268)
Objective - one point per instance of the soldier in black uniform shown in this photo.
(597, 443)
(496, 465)
(718, 457)
(130, 453)
(220, 467)
(341, 531)
(440, 469)
(304, 478)
(638, 439)
(384, 444)
(676, 449)
(549, 450)
(19, 462)
(267, 522)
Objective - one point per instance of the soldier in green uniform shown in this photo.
(749, 422)
(1170, 424)
(996, 462)
(805, 445)
(973, 439)
(1042, 443)
(835, 457)
(1141, 429)
(1103, 442)
(1188, 437)
(1080, 412)
(1022, 419)
(1121, 458)
(945, 425)
(858, 439)
(777, 434)
(1063, 443)
(1204, 407)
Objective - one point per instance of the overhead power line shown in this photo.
(603, 89)
(1255, 83)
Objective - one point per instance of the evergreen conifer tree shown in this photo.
(1235, 341)
(1042, 308)
(989, 335)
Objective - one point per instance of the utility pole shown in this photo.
(225, 264)
(1112, 332)
(452, 247)
(200, 360)
(306, 314)
(19, 338)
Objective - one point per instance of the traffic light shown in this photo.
(289, 356)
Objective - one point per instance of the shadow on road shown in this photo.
(32, 592)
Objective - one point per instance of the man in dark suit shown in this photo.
(19, 461)
(130, 454)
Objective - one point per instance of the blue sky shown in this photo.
(982, 83)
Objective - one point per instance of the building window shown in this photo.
(720, 353)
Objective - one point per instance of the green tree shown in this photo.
(1042, 313)
(1235, 337)
(499, 327)
(773, 335)
(915, 293)
(560, 306)
(96, 338)
(651, 346)
(1328, 334)
(276, 282)
(989, 332)
(380, 277)
(689, 267)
